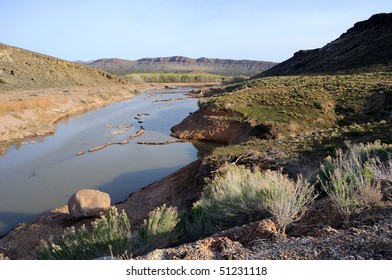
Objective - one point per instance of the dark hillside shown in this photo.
(365, 47)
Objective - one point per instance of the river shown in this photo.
(43, 174)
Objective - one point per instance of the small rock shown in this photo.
(88, 203)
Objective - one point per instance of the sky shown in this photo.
(269, 30)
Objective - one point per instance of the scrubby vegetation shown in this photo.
(232, 199)
(307, 102)
(160, 230)
(112, 236)
(286, 199)
(240, 196)
(138, 78)
(350, 177)
(109, 236)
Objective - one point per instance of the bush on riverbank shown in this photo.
(139, 78)
(241, 196)
(353, 178)
(160, 230)
(112, 236)
(109, 236)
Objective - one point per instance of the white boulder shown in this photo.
(88, 203)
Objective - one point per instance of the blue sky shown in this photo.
(269, 30)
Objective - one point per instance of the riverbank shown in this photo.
(54, 222)
(176, 189)
(34, 113)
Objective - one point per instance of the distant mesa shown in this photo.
(182, 64)
(365, 47)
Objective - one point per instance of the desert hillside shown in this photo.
(367, 46)
(38, 90)
(22, 69)
(183, 64)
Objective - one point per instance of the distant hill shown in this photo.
(23, 69)
(182, 64)
(365, 47)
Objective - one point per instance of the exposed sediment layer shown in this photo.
(221, 126)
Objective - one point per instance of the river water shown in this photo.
(42, 175)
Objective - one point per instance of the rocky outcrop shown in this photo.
(221, 126)
(88, 203)
(182, 64)
(367, 46)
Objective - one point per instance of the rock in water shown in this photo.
(88, 203)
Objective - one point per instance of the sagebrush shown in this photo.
(233, 199)
(349, 178)
(109, 236)
(158, 231)
(286, 199)
(241, 196)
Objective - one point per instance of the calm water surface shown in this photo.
(41, 176)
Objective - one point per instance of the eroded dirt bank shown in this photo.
(221, 126)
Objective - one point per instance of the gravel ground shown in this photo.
(365, 237)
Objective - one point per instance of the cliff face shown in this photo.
(182, 64)
(365, 47)
(22, 69)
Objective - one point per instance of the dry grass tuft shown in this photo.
(31, 103)
(286, 199)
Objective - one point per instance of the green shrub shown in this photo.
(174, 78)
(194, 224)
(109, 236)
(242, 196)
(233, 199)
(349, 178)
(158, 231)
(286, 199)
